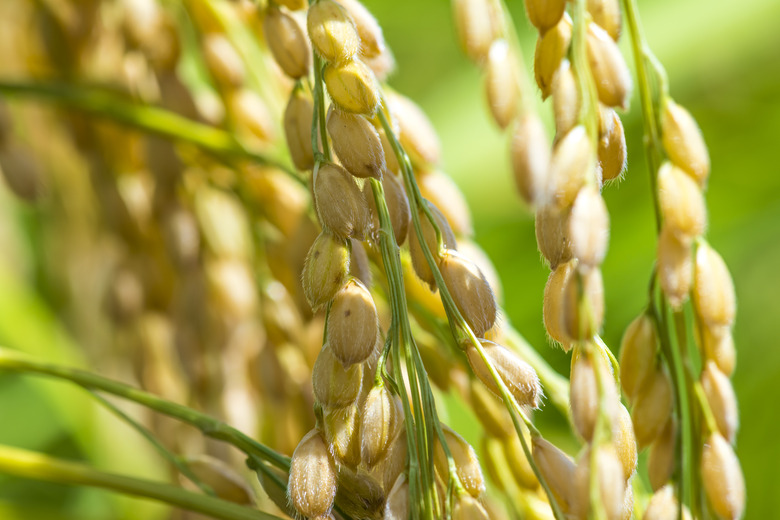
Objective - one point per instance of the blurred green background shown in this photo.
(723, 61)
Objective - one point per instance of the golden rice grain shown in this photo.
(583, 304)
(341, 428)
(588, 398)
(552, 310)
(352, 87)
(477, 24)
(625, 441)
(469, 290)
(718, 343)
(288, 42)
(652, 409)
(372, 41)
(558, 470)
(612, 152)
(609, 69)
(606, 14)
(353, 324)
(465, 458)
(664, 506)
(530, 154)
(341, 204)
(380, 421)
(334, 385)
(325, 269)
(356, 143)
(611, 484)
(675, 266)
(637, 355)
(661, 460)
(312, 482)
(298, 117)
(573, 159)
(397, 505)
(714, 297)
(589, 227)
(566, 98)
(501, 83)
(683, 141)
(518, 376)
(332, 31)
(490, 411)
(551, 47)
(544, 14)
(468, 508)
(223, 61)
(518, 463)
(722, 478)
(682, 203)
(722, 400)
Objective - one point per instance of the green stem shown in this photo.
(612, 360)
(653, 147)
(453, 484)
(709, 417)
(556, 386)
(418, 425)
(175, 460)
(103, 103)
(516, 413)
(691, 432)
(524, 82)
(673, 360)
(588, 115)
(602, 432)
(457, 322)
(418, 435)
(676, 354)
(209, 426)
(27, 464)
(259, 465)
(319, 121)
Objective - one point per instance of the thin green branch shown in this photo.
(589, 108)
(319, 122)
(524, 82)
(612, 360)
(675, 352)
(259, 466)
(691, 432)
(419, 434)
(101, 102)
(27, 464)
(603, 430)
(515, 413)
(174, 459)
(674, 362)
(556, 386)
(458, 325)
(642, 56)
(709, 416)
(211, 427)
